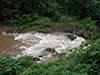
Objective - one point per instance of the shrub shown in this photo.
(81, 61)
(10, 66)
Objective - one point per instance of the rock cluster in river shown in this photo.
(79, 31)
(82, 31)
(71, 37)
(10, 32)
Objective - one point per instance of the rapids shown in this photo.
(37, 42)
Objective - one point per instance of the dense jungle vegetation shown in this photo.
(40, 14)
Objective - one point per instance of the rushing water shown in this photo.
(34, 43)
(38, 42)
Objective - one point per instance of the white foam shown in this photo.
(39, 42)
(27, 38)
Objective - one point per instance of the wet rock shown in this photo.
(47, 51)
(10, 32)
(34, 32)
(36, 59)
(40, 55)
(71, 37)
(82, 31)
(79, 31)
(50, 50)
(12, 38)
(46, 30)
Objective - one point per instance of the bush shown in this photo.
(81, 61)
(10, 66)
(83, 9)
(12, 10)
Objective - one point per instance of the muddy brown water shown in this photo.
(5, 42)
(8, 45)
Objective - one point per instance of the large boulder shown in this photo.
(47, 51)
(82, 31)
(52, 50)
(10, 32)
(71, 36)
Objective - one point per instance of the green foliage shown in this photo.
(53, 9)
(83, 9)
(87, 57)
(45, 8)
(24, 19)
(81, 61)
(21, 12)
(10, 66)
(88, 22)
(37, 24)
(91, 26)
(37, 14)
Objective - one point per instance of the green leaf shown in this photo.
(81, 46)
(93, 53)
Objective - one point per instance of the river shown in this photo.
(5, 41)
(34, 43)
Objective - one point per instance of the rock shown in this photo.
(50, 50)
(47, 51)
(46, 30)
(12, 38)
(40, 55)
(10, 32)
(82, 33)
(71, 37)
(36, 59)
(34, 32)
